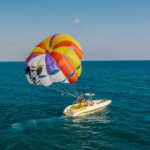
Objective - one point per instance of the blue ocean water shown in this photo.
(31, 116)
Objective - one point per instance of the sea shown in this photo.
(31, 117)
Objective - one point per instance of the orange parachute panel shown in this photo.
(65, 66)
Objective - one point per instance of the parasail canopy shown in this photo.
(57, 59)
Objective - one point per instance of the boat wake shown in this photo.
(33, 123)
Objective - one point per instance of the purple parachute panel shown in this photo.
(31, 57)
(50, 64)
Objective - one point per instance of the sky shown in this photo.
(105, 29)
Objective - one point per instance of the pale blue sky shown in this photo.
(106, 29)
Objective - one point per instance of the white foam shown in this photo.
(16, 126)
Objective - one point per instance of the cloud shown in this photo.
(76, 21)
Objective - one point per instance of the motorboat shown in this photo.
(84, 107)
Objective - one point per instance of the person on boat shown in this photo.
(89, 103)
(80, 100)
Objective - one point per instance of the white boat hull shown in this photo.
(76, 110)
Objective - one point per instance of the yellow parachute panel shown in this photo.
(38, 50)
(46, 42)
(79, 70)
(64, 37)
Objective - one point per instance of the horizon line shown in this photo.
(88, 60)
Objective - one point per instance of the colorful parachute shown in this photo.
(56, 59)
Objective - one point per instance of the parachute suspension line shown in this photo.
(60, 91)
(69, 89)
(64, 89)
(74, 89)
